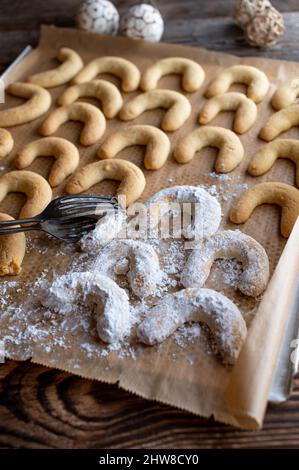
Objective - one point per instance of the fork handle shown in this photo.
(7, 231)
(9, 223)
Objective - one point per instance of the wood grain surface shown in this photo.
(46, 408)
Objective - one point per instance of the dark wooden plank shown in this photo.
(222, 34)
(41, 407)
(219, 34)
(187, 23)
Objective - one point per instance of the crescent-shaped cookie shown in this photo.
(131, 177)
(286, 95)
(280, 121)
(107, 93)
(281, 194)
(192, 73)
(38, 102)
(255, 79)
(230, 153)
(142, 271)
(96, 293)
(177, 105)
(70, 66)
(229, 244)
(12, 251)
(157, 144)
(265, 158)
(6, 143)
(207, 306)
(66, 155)
(205, 211)
(34, 186)
(122, 68)
(108, 227)
(93, 119)
(245, 110)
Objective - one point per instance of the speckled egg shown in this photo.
(142, 22)
(99, 16)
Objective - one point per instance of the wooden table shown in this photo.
(41, 407)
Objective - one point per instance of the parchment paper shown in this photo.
(235, 395)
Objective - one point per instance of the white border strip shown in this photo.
(19, 59)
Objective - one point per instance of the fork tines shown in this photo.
(86, 205)
(76, 199)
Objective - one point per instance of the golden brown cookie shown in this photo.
(157, 144)
(281, 194)
(230, 153)
(34, 186)
(192, 73)
(93, 119)
(265, 158)
(246, 110)
(38, 102)
(12, 250)
(66, 155)
(256, 81)
(286, 95)
(280, 121)
(131, 178)
(177, 105)
(104, 91)
(71, 64)
(6, 143)
(122, 68)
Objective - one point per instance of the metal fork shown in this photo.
(67, 218)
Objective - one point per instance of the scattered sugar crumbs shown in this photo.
(222, 190)
(51, 332)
